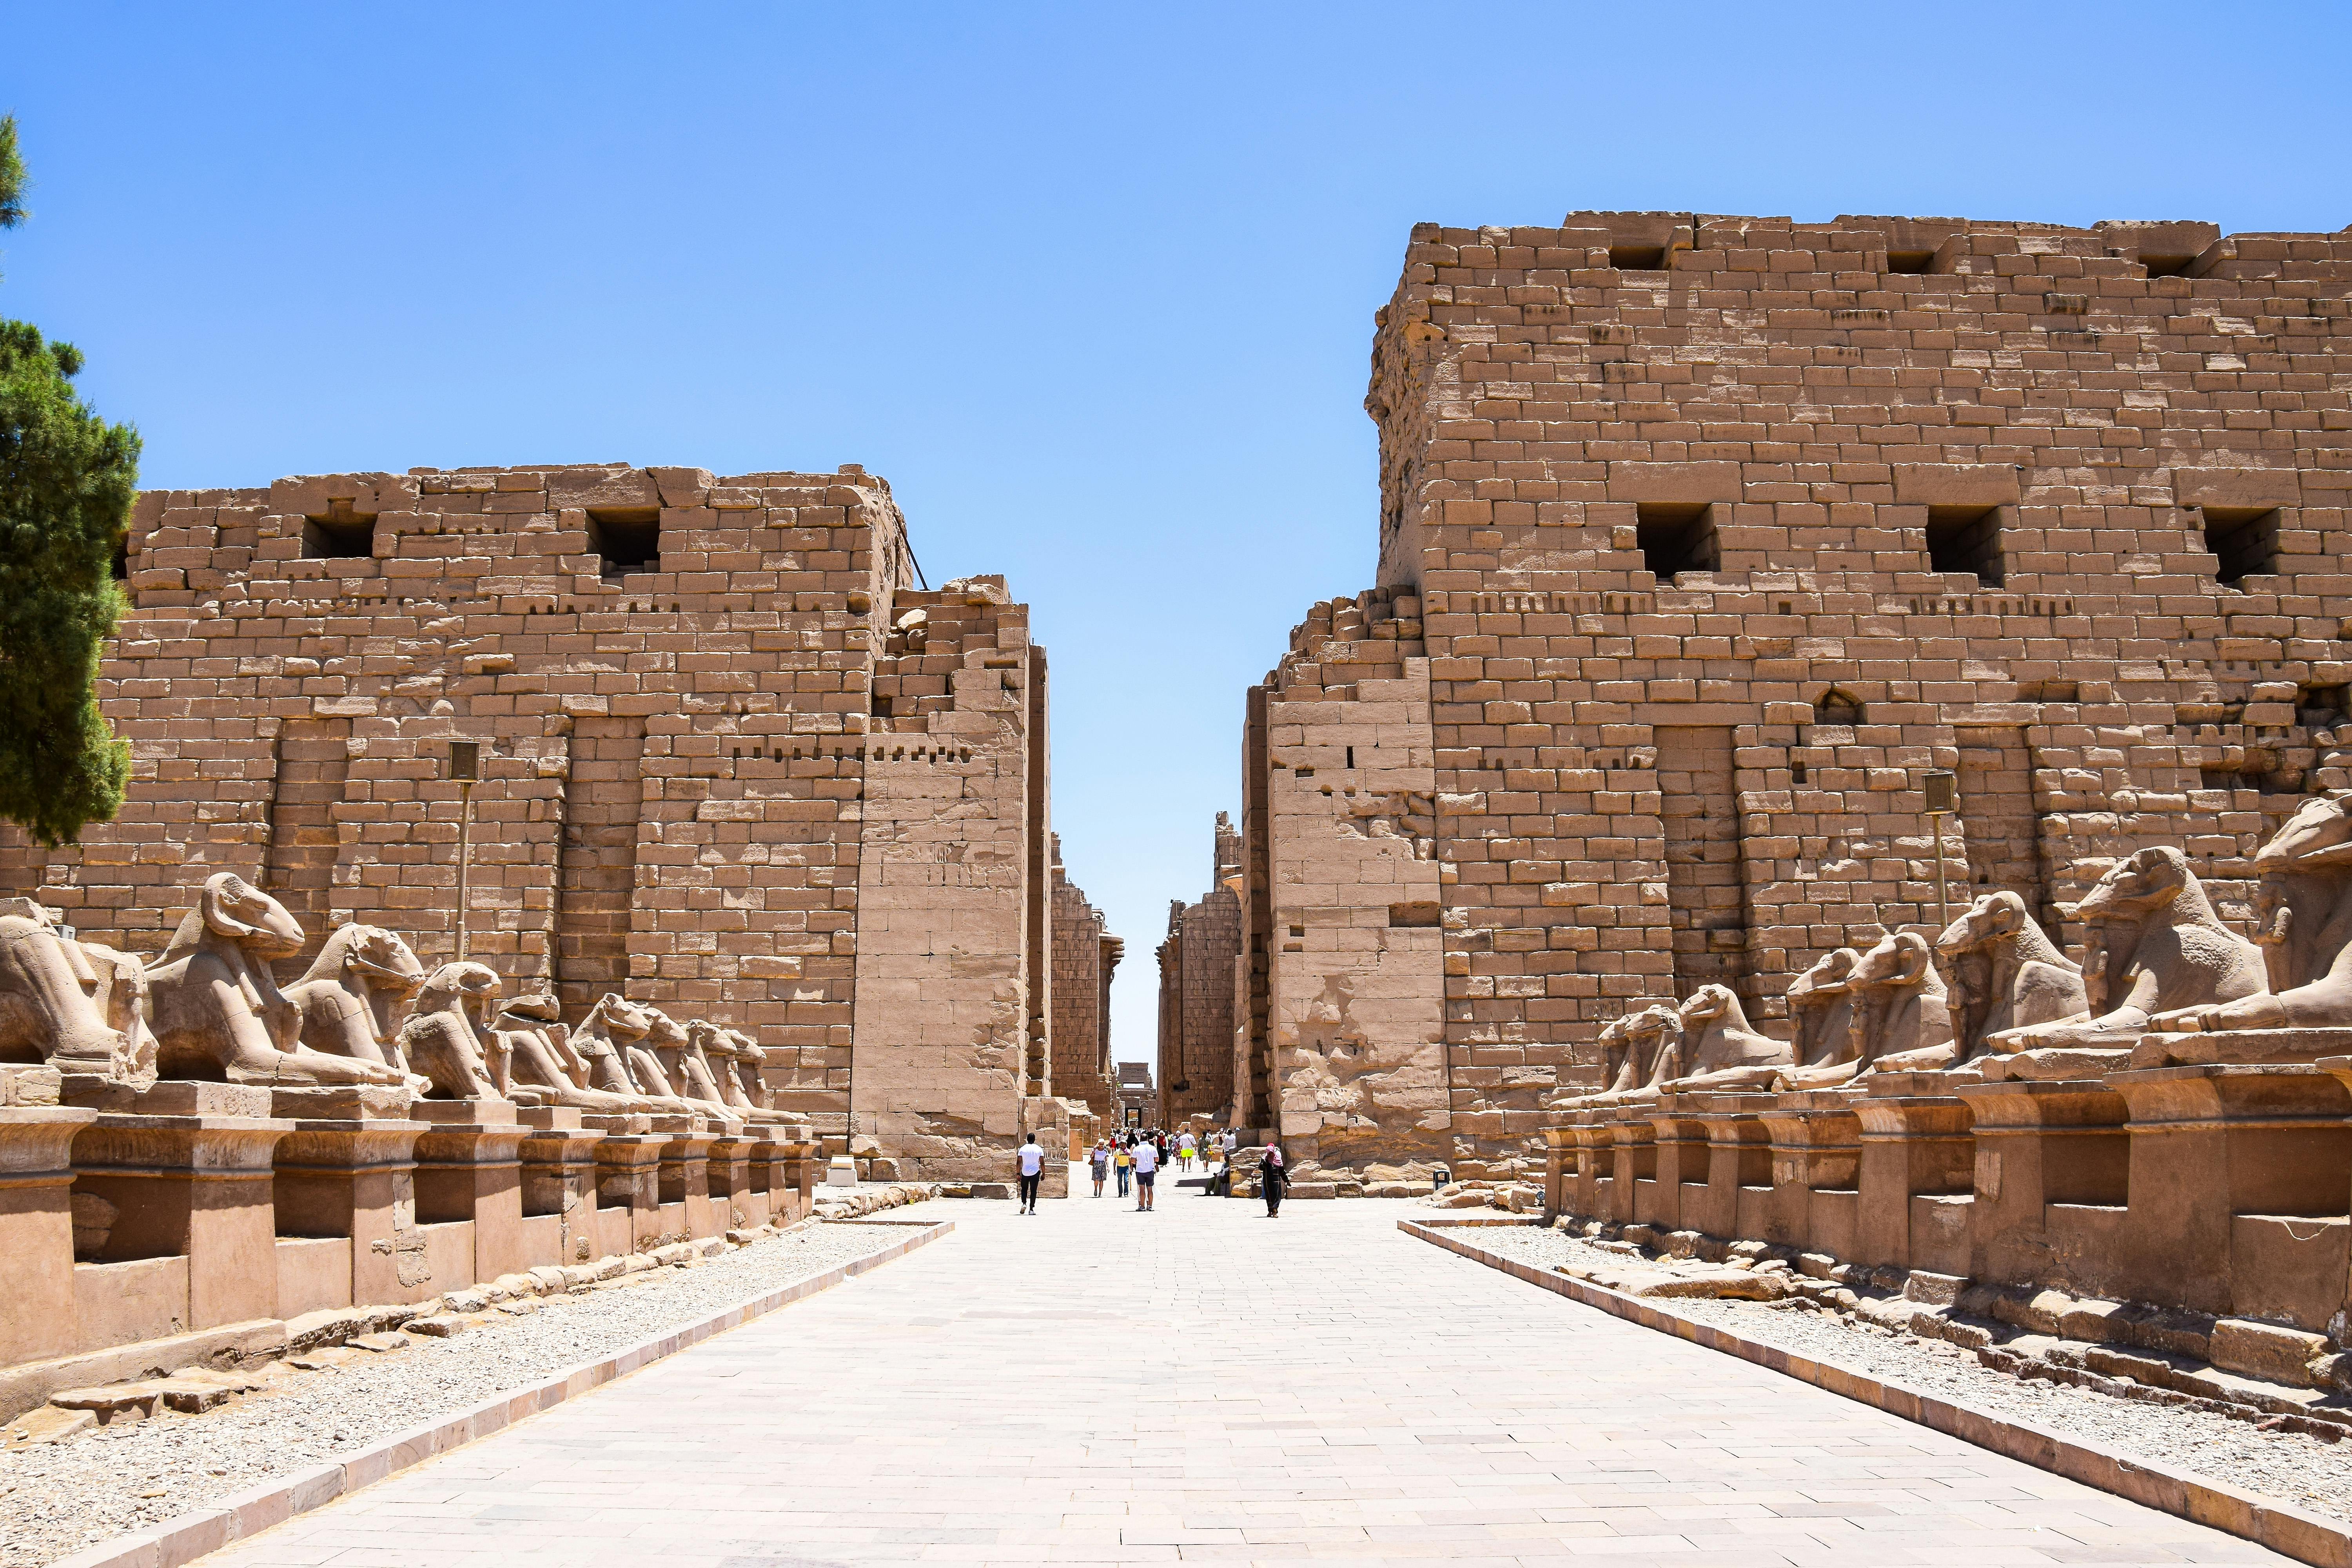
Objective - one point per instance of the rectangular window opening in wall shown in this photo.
(339, 534)
(1966, 539)
(2242, 540)
(1677, 537)
(1910, 260)
(1638, 258)
(628, 538)
(2323, 707)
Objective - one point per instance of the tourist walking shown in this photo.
(1100, 1161)
(1146, 1166)
(1233, 1141)
(1273, 1176)
(1032, 1172)
(1185, 1153)
(1123, 1160)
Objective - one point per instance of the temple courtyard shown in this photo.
(1098, 1385)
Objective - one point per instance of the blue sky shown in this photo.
(1091, 285)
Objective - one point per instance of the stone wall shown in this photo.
(730, 761)
(944, 960)
(1196, 989)
(1703, 538)
(1084, 956)
(1351, 910)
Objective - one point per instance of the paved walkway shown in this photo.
(1203, 1384)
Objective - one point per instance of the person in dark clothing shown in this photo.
(1273, 1176)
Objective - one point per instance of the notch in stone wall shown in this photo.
(597, 860)
(2242, 541)
(625, 537)
(1967, 539)
(1998, 821)
(1706, 885)
(311, 773)
(341, 532)
(1677, 536)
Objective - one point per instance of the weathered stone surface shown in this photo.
(439, 1326)
(1671, 671)
(731, 762)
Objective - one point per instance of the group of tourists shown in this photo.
(1138, 1157)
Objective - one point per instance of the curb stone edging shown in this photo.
(241, 1515)
(2267, 1521)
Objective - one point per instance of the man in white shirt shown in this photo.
(1147, 1165)
(1033, 1170)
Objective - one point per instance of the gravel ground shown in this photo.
(58, 1498)
(2306, 1471)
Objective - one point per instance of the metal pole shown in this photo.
(1941, 790)
(465, 858)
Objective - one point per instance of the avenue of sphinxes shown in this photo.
(752, 838)
(1846, 751)
(1703, 541)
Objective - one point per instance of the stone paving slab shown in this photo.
(1093, 1385)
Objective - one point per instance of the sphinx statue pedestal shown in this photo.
(1634, 1159)
(2340, 1069)
(2240, 1177)
(1738, 1190)
(628, 1184)
(1678, 1163)
(1816, 1159)
(792, 1196)
(683, 1179)
(469, 1168)
(2050, 1161)
(729, 1161)
(347, 1171)
(557, 1157)
(1593, 1133)
(38, 1315)
(774, 1174)
(1916, 1175)
(1559, 1171)
(187, 1168)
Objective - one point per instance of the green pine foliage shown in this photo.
(67, 477)
(12, 175)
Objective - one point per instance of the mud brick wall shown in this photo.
(1800, 511)
(676, 682)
